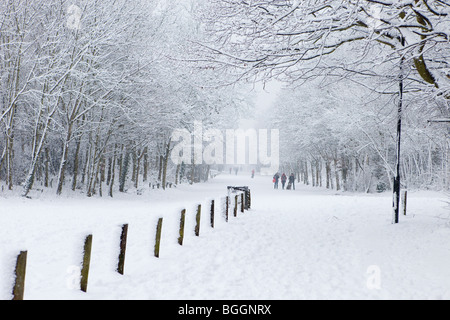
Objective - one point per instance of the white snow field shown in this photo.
(305, 244)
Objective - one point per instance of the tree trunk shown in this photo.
(138, 168)
(328, 173)
(47, 165)
(166, 160)
(62, 166)
(9, 149)
(344, 173)
(396, 195)
(76, 163)
(145, 174)
(133, 171)
(305, 171)
(113, 174)
(124, 171)
(336, 173)
(38, 144)
(109, 171)
(160, 167)
(318, 173)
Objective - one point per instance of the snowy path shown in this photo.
(303, 244)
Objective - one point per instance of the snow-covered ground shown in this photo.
(305, 244)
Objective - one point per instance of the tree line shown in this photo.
(362, 80)
(90, 92)
(347, 141)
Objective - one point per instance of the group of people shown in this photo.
(284, 179)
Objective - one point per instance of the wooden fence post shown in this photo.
(236, 200)
(197, 219)
(86, 263)
(158, 237)
(249, 200)
(227, 205)
(212, 213)
(242, 202)
(19, 285)
(404, 201)
(182, 221)
(123, 247)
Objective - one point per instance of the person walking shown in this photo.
(276, 179)
(292, 181)
(283, 180)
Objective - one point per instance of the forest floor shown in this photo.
(310, 243)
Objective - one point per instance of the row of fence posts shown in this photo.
(242, 199)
